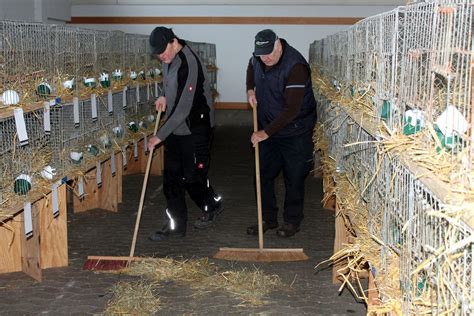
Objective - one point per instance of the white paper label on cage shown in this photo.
(124, 97)
(451, 122)
(94, 107)
(80, 187)
(148, 91)
(113, 166)
(55, 199)
(124, 157)
(135, 150)
(98, 174)
(145, 147)
(20, 126)
(156, 89)
(47, 119)
(28, 219)
(138, 93)
(75, 103)
(110, 104)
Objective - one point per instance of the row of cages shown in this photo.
(415, 62)
(433, 249)
(207, 54)
(61, 140)
(39, 61)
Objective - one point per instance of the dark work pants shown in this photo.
(294, 156)
(186, 167)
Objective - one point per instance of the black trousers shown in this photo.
(186, 168)
(294, 156)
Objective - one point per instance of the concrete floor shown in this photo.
(73, 291)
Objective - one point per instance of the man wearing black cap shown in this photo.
(186, 133)
(279, 81)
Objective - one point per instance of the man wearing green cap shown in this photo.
(279, 85)
(186, 133)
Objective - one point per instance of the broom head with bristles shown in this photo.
(108, 263)
(261, 254)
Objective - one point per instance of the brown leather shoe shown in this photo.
(253, 230)
(287, 230)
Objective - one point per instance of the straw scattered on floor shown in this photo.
(133, 298)
(249, 286)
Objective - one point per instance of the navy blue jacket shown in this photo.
(270, 88)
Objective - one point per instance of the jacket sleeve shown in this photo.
(187, 79)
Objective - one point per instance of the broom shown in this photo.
(260, 254)
(116, 263)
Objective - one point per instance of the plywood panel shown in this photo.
(90, 198)
(107, 193)
(10, 244)
(53, 230)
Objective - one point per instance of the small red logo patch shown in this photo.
(190, 88)
(200, 165)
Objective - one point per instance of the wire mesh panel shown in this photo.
(65, 58)
(417, 57)
(86, 55)
(117, 49)
(67, 135)
(103, 50)
(26, 59)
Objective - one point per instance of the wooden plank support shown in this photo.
(157, 164)
(10, 244)
(47, 245)
(53, 231)
(134, 164)
(340, 238)
(104, 196)
(119, 176)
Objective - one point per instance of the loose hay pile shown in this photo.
(250, 286)
(133, 298)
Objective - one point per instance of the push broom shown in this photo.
(260, 254)
(117, 263)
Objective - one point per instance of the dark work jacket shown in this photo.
(270, 88)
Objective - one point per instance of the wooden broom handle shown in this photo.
(145, 182)
(257, 182)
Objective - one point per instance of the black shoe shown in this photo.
(208, 218)
(287, 230)
(253, 230)
(166, 232)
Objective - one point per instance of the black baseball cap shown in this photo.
(160, 37)
(264, 42)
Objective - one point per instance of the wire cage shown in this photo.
(24, 160)
(66, 135)
(26, 61)
(65, 59)
(416, 58)
(86, 70)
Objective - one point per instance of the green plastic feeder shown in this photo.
(133, 127)
(92, 150)
(43, 90)
(386, 107)
(22, 184)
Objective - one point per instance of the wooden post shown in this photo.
(339, 238)
(119, 175)
(30, 247)
(107, 192)
(372, 292)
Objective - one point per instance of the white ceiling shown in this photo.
(244, 2)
